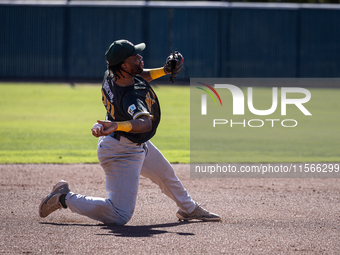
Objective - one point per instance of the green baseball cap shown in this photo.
(122, 49)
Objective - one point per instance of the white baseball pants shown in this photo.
(123, 163)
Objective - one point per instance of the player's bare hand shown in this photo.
(102, 128)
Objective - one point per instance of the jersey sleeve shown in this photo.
(134, 107)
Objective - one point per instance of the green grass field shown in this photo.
(50, 123)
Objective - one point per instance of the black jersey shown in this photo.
(129, 103)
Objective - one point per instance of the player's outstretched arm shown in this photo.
(152, 74)
(140, 125)
(173, 65)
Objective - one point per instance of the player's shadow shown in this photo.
(146, 230)
(133, 231)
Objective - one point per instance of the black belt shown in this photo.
(118, 136)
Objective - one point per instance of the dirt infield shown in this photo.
(260, 216)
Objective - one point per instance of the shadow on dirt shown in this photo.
(133, 231)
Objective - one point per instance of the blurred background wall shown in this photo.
(68, 40)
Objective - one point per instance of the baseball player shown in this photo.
(124, 150)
